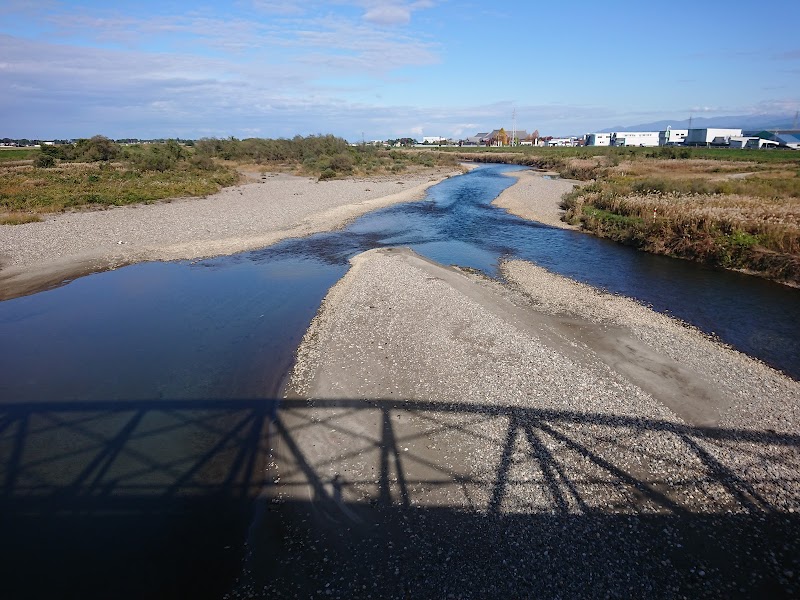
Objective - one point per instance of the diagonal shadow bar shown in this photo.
(736, 486)
(621, 475)
(218, 447)
(567, 481)
(501, 481)
(311, 475)
(547, 462)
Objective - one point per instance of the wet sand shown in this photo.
(254, 215)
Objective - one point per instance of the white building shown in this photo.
(634, 138)
(598, 139)
(433, 139)
(750, 142)
(672, 137)
(570, 141)
(711, 137)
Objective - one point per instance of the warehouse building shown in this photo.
(672, 137)
(711, 136)
(634, 138)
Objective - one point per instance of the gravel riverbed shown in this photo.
(448, 436)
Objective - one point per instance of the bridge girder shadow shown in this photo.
(166, 498)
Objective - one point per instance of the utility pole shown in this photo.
(514, 127)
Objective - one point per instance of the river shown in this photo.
(134, 404)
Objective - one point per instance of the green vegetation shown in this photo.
(323, 156)
(14, 154)
(100, 172)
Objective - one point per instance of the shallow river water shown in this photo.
(133, 403)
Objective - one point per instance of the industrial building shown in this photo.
(635, 138)
(672, 137)
(711, 136)
(598, 139)
(751, 142)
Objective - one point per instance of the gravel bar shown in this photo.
(444, 435)
(537, 196)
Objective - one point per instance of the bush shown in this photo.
(44, 161)
(154, 158)
(97, 148)
(342, 163)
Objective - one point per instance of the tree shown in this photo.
(502, 137)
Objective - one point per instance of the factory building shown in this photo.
(634, 138)
(711, 136)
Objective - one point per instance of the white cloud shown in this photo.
(386, 14)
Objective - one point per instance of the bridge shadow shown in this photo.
(388, 498)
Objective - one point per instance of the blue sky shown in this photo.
(386, 68)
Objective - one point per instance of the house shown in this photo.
(634, 138)
(503, 137)
(598, 139)
(433, 139)
(476, 140)
(711, 136)
(672, 137)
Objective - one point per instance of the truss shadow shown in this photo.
(175, 498)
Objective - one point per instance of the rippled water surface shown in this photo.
(134, 404)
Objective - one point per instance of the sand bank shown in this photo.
(538, 428)
(239, 218)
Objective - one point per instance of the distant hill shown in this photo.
(749, 122)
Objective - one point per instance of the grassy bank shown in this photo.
(98, 172)
(735, 209)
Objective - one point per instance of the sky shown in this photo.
(380, 69)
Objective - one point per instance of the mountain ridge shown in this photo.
(746, 122)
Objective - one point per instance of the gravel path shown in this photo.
(448, 436)
(537, 196)
(239, 218)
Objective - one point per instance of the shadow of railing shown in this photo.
(174, 498)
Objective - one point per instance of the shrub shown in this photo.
(44, 161)
(342, 163)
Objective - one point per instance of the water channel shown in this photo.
(132, 402)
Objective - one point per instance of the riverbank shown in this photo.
(535, 439)
(35, 256)
(537, 196)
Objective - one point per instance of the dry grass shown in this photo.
(18, 218)
(727, 213)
